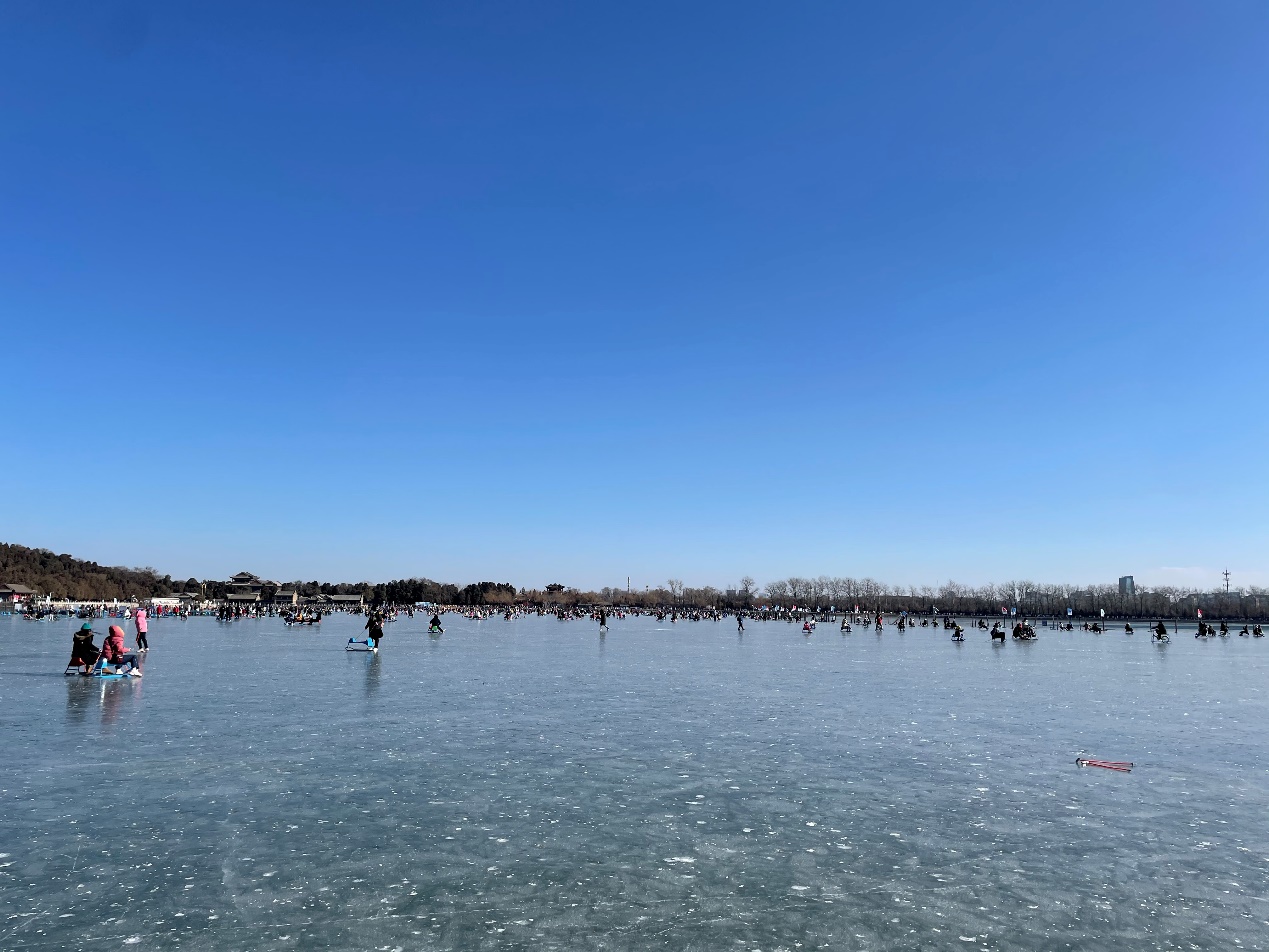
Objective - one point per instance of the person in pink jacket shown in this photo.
(143, 626)
(118, 655)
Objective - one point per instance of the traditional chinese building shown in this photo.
(15, 593)
(246, 583)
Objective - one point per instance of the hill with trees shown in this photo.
(64, 576)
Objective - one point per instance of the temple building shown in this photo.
(249, 588)
(246, 583)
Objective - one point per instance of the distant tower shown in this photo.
(1226, 574)
(1127, 586)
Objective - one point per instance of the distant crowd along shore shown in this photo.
(809, 618)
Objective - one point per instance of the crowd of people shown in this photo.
(115, 658)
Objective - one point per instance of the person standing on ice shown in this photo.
(142, 622)
(374, 627)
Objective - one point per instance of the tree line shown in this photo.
(64, 576)
(397, 592)
(844, 594)
(1023, 595)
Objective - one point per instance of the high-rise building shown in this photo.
(1126, 585)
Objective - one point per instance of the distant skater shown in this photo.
(603, 622)
(143, 627)
(740, 622)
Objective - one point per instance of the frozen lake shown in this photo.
(527, 785)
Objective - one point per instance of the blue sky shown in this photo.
(578, 292)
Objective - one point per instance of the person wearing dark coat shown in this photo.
(375, 628)
(83, 652)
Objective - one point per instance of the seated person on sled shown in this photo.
(84, 653)
(123, 660)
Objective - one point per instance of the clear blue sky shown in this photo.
(571, 292)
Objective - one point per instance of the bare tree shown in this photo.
(950, 595)
(707, 597)
(837, 590)
(675, 585)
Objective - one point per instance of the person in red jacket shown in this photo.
(118, 655)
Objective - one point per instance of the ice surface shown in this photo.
(521, 785)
